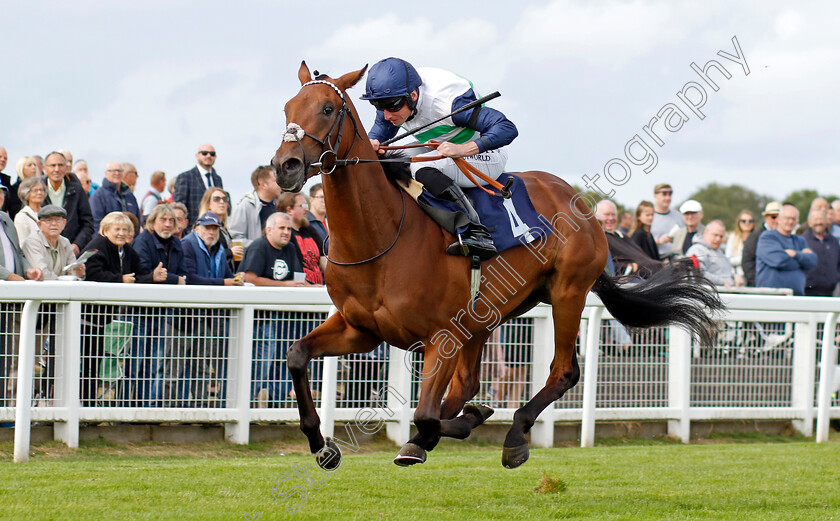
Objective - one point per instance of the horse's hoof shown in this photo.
(329, 457)
(410, 454)
(477, 409)
(513, 457)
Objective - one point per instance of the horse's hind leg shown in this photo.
(437, 372)
(335, 337)
(564, 374)
(464, 385)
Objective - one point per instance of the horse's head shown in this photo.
(315, 128)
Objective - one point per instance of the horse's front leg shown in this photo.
(335, 337)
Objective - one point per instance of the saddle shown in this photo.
(511, 221)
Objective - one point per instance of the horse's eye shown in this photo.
(328, 110)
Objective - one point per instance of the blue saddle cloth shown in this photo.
(512, 222)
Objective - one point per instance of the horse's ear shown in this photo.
(351, 78)
(303, 73)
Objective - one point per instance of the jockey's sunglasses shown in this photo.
(390, 104)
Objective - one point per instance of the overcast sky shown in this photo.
(148, 82)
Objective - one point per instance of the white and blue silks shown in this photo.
(441, 93)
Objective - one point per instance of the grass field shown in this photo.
(773, 478)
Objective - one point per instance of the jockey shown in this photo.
(411, 98)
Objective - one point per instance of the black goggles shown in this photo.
(390, 104)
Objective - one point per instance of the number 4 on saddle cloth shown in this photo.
(511, 222)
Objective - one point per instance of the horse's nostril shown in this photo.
(291, 164)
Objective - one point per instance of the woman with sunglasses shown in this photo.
(744, 225)
(412, 98)
(217, 201)
(770, 214)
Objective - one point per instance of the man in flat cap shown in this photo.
(47, 249)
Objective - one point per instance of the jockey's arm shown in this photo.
(495, 129)
(447, 149)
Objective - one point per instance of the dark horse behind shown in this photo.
(391, 280)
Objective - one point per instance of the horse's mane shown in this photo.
(398, 172)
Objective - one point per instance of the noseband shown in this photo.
(328, 161)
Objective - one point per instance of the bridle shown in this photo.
(328, 161)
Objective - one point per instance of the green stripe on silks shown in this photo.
(460, 138)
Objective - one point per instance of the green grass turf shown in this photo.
(792, 480)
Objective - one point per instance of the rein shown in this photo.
(386, 250)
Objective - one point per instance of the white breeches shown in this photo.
(492, 163)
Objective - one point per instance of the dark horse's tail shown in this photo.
(678, 293)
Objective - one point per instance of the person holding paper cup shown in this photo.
(272, 260)
(47, 249)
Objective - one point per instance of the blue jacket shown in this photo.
(111, 198)
(822, 279)
(775, 268)
(152, 251)
(200, 266)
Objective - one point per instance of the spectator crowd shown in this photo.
(780, 252)
(187, 231)
(54, 212)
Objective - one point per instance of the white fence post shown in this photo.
(329, 387)
(399, 395)
(542, 432)
(590, 377)
(328, 395)
(239, 376)
(679, 382)
(26, 372)
(802, 379)
(68, 371)
(828, 360)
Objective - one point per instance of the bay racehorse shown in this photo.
(391, 280)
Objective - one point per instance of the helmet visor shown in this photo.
(390, 104)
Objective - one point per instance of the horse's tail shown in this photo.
(677, 293)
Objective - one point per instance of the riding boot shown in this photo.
(476, 240)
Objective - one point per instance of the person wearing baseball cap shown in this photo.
(692, 212)
(771, 215)
(666, 221)
(204, 254)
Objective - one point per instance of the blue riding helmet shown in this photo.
(390, 78)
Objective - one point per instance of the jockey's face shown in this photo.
(398, 118)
